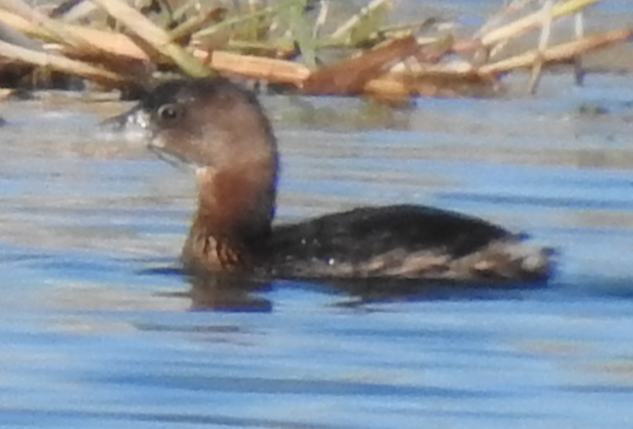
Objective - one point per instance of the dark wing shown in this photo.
(374, 241)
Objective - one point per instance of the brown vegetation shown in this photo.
(288, 42)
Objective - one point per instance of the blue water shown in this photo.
(98, 331)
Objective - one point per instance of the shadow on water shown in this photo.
(226, 293)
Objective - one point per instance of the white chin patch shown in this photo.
(156, 141)
(137, 118)
(201, 172)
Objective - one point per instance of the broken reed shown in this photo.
(284, 42)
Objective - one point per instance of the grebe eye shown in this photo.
(169, 112)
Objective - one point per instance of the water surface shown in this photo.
(97, 331)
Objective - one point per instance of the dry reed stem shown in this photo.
(113, 43)
(242, 18)
(267, 69)
(195, 23)
(4, 94)
(62, 64)
(579, 32)
(321, 19)
(53, 28)
(546, 31)
(154, 36)
(350, 76)
(532, 21)
(398, 88)
(421, 70)
(388, 88)
(346, 28)
(562, 52)
(25, 26)
(495, 20)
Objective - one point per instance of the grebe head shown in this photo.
(220, 129)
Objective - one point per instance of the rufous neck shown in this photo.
(236, 204)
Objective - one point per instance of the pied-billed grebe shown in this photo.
(220, 129)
